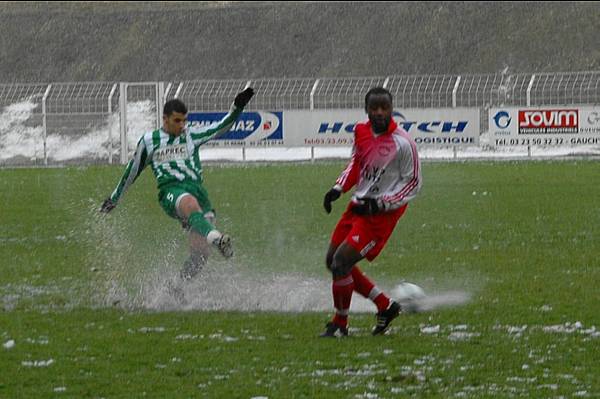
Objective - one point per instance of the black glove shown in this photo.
(108, 205)
(331, 196)
(367, 206)
(242, 99)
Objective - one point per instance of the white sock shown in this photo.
(213, 236)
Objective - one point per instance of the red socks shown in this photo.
(341, 289)
(365, 287)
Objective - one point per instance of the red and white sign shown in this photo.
(548, 121)
(544, 126)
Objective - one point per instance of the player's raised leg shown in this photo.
(189, 209)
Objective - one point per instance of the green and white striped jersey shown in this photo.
(174, 159)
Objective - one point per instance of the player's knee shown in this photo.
(339, 259)
(339, 270)
(329, 261)
(339, 266)
(210, 217)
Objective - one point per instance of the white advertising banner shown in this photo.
(433, 126)
(547, 126)
(251, 129)
(334, 127)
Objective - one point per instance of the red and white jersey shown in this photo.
(385, 166)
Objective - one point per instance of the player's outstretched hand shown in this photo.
(367, 206)
(242, 99)
(331, 196)
(107, 206)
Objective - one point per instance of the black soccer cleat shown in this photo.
(333, 330)
(224, 246)
(384, 318)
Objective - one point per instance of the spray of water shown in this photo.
(22, 133)
(19, 138)
(139, 272)
(134, 280)
(226, 287)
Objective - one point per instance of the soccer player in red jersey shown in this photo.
(386, 171)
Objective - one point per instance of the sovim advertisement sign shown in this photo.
(546, 126)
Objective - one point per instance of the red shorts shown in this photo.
(366, 234)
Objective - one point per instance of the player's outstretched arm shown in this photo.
(132, 171)
(203, 134)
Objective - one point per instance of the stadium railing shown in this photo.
(38, 120)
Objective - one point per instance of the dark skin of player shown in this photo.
(340, 259)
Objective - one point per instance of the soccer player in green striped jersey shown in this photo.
(172, 153)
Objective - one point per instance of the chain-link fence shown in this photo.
(99, 122)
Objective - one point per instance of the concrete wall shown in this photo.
(110, 41)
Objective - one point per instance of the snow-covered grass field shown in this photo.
(506, 251)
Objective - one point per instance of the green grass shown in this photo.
(519, 237)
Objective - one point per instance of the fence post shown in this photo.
(123, 120)
(312, 107)
(44, 122)
(160, 101)
(529, 86)
(110, 140)
(248, 84)
(178, 90)
(312, 94)
(454, 91)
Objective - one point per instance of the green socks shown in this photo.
(200, 224)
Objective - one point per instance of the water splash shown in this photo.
(22, 133)
(17, 137)
(229, 288)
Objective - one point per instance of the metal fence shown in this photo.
(44, 123)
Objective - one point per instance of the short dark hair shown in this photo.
(377, 91)
(174, 105)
